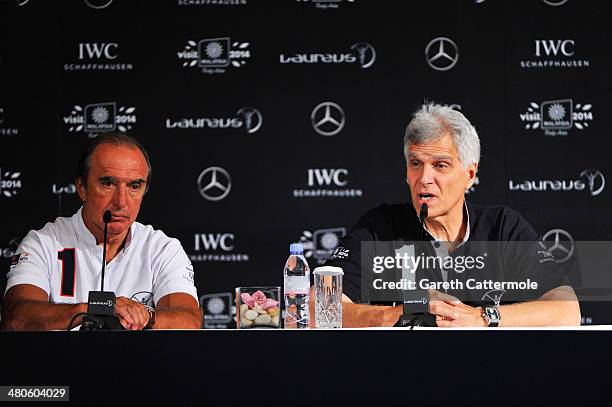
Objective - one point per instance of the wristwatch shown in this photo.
(491, 315)
(151, 317)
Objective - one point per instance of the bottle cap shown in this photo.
(296, 248)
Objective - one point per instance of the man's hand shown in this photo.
(450, 312)
(132, 314)
(385, 315)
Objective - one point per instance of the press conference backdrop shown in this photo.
(271, 122)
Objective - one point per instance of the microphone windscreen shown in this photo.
(423, 214)
(107, 216)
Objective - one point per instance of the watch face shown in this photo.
(492, 313)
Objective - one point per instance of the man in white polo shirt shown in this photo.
(55, 267)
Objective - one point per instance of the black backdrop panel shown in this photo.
(231, 86)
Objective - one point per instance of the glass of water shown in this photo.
(328, 297)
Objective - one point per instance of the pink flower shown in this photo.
(270, 303)
(259, 300)
(247, 299)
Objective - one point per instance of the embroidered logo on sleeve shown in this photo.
(19, 258)
(143, 297)
(188, 274)
(546, 253)
(341, 253)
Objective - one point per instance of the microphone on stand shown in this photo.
(101, 304)
(422, 216)
(416, 302)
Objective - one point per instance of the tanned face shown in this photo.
(116, 182)
(437, 177)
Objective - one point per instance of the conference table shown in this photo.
(256, 367)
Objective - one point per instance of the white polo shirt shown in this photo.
(64, 260)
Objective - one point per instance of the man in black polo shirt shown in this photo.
(442, 152)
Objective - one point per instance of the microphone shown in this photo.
(416, 302)
(422, 216)
(101, 304)
(107, 218)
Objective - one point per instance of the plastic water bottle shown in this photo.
(297, 288)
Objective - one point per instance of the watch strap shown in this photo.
(151, 322)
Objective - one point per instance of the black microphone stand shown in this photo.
(416, 302)
(101, 304)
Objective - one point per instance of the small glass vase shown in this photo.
(258, 307)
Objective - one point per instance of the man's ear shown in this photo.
(471, 172)
(81, 188)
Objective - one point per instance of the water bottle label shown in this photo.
(297, 285)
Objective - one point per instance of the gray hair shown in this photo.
(432, 121)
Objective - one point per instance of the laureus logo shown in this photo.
(143, 297)
(493, 297)
(366, 54)
(98, 4)
(252, 119)
(595, 184)
(555, 2)
(595, 181)
(360, 53)
(247, 118)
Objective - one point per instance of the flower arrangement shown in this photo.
(258, 310)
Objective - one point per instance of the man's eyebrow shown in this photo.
(113, 179)
(436, 157)
(106, 178)
(137, 181)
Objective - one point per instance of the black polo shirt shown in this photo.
(515, 253)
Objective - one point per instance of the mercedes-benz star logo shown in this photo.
(595, 179)
(214, 183)
(441, 53)
(562, 244)
(327, 119)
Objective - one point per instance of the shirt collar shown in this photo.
(467, 228)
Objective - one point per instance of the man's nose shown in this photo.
(427, 175)
(120, 195)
